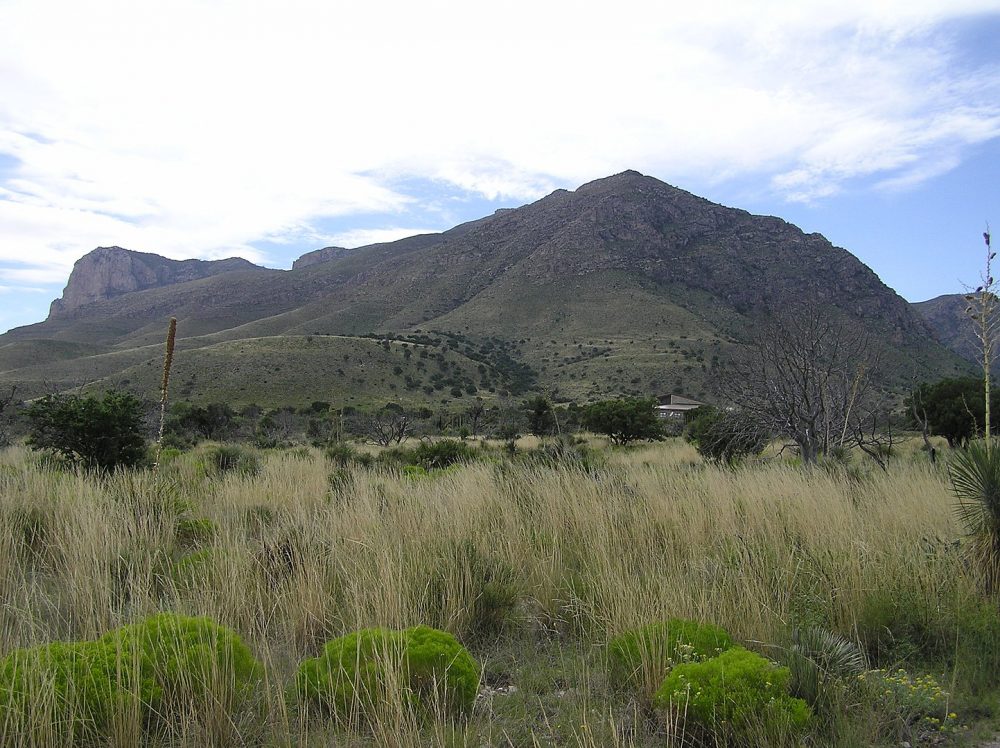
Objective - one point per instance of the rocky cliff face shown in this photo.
(951, 325)
(107, 272)
(320, 255)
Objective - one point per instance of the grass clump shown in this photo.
(229, 458)
(420, 667)
(739, 695)
(645, 655)
(166, 666)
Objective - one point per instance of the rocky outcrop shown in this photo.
(107, 272)
(320, 255)
(946, 317)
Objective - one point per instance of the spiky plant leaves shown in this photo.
(821, 660)
(975, 480)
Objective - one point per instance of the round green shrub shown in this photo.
(654, 649)
(739, 691)
(425, 667)
(160, 667)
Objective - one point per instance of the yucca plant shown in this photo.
(975, 479)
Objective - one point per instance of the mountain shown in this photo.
(946, 317)
(108, 272)
(626, 285)
(320, 255)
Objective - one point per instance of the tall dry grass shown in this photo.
(296, 558)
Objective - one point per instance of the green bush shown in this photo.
(442, 453)
(624, 421)
(724, 436)
(647, 654)
(424, 667)
(159, 669)
(229, 458)
(100, 434)
(737, 694)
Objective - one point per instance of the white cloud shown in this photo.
(195, 129)
(363, 237)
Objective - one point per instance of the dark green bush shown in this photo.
(426, 668)
(442, 453)
(160, 669)
(647, 654)
(736, 695)
(724, 436)
(101, 434)
(341, 454)
(229, 458)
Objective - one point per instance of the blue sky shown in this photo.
(269, 129)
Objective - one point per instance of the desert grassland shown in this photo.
(533, 566)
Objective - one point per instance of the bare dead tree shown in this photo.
(919, 412)
(810, 378)
(475, 413)
(388, 427)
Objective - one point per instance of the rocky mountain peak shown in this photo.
(107, 272)
(320, 255)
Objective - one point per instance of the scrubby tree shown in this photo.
(541, 417)
(214, 421)
(954, 408)
(624, 421)
(810, 377)
(101, 433)
(724, 436)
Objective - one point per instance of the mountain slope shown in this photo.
(946, 317)
(625, 285)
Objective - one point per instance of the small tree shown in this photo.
(103, 433)
(541, 417)
(7, 409)
(624, 421)
(724, 436)
(388, 426)
(953, 408)
(810, 378)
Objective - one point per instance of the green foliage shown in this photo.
(624, 421)
(214, 421)
(192, 531)
(424, 667)
(724, 436)
(102, 434)
(442, 453)
(738, 692)
(954, 408)
(540, 415)
(230, 458)
(648, 653)
(161, 668)
(975, 479)
(920, 701)
(821, 664)
(341, 453)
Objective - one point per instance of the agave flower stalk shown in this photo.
(982, 308)
(168, 360)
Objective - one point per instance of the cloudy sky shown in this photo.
(195, 128)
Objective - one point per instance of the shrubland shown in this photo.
(568, 594)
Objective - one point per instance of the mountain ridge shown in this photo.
(626, 285)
